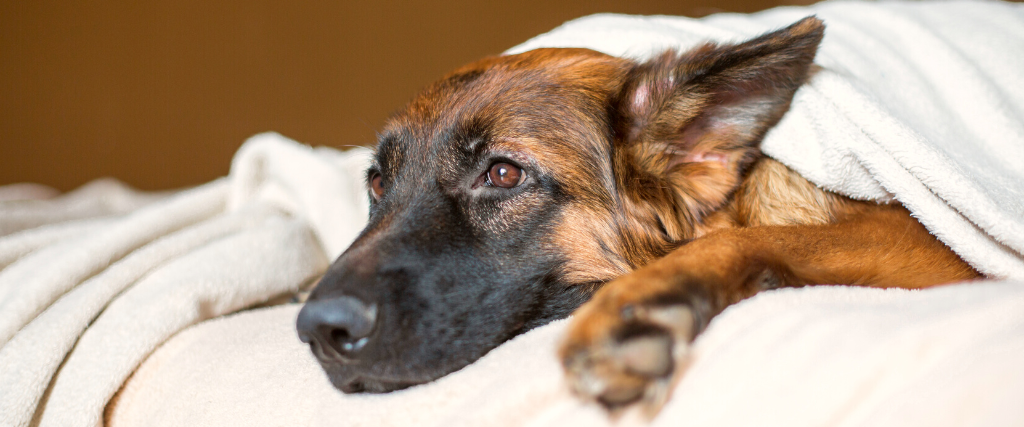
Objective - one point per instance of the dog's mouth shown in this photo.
(412, 301)
(363, 349)
(367, 385)
(348, 381)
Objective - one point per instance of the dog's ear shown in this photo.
(689, 124)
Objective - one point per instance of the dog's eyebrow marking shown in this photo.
(473, 137)
(389, 154)
(386, 143)
(474, 146)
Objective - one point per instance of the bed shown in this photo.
(129, 308)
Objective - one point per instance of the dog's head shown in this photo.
(506, 193)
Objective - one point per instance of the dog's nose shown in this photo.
(336, 328)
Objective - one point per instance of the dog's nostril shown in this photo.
(343, 324)
(344, 342)
(339, 335)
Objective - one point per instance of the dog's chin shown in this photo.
(349, 381)
(350, 385)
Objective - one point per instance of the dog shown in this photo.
(520, 189)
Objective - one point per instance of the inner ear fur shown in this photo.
(687, 125)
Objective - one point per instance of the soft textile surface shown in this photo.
(98, 289)
(103, 197)
(795, 357)
(918, 101)
(89, 288)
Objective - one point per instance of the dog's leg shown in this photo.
(627, 342)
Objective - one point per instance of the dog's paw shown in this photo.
(622, 348)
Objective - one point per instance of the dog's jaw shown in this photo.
(620, 163)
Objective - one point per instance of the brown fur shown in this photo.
(676, 177)
(644, 187)
(767, 228)
(681, 208)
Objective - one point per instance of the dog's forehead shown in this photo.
(543, 104)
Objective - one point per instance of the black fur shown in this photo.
(449, 286)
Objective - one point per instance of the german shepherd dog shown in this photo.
(517, 188)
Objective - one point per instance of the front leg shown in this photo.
(628, 341)
(631, 340)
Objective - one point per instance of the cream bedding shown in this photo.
(93, 284)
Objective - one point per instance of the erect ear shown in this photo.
(690, 123)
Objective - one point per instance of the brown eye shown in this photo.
(377, 186)
(504, 175)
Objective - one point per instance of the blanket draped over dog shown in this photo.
(921, 103)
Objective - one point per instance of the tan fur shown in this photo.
(665, 195)
(754, 224)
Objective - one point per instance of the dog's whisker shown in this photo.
(514, 189)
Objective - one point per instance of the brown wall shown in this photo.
(160, 93)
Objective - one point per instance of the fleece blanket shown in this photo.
(84, 299)
(796, 357)
(921, 103)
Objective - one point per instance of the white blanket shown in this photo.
(923, 102)
(796, 357)
(86, 299)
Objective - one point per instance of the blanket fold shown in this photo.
(917, 102)
(921, 102)
(84, 300)
(828, 355)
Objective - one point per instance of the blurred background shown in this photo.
(161, 94)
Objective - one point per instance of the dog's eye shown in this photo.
(504, 175)
(377, 186)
